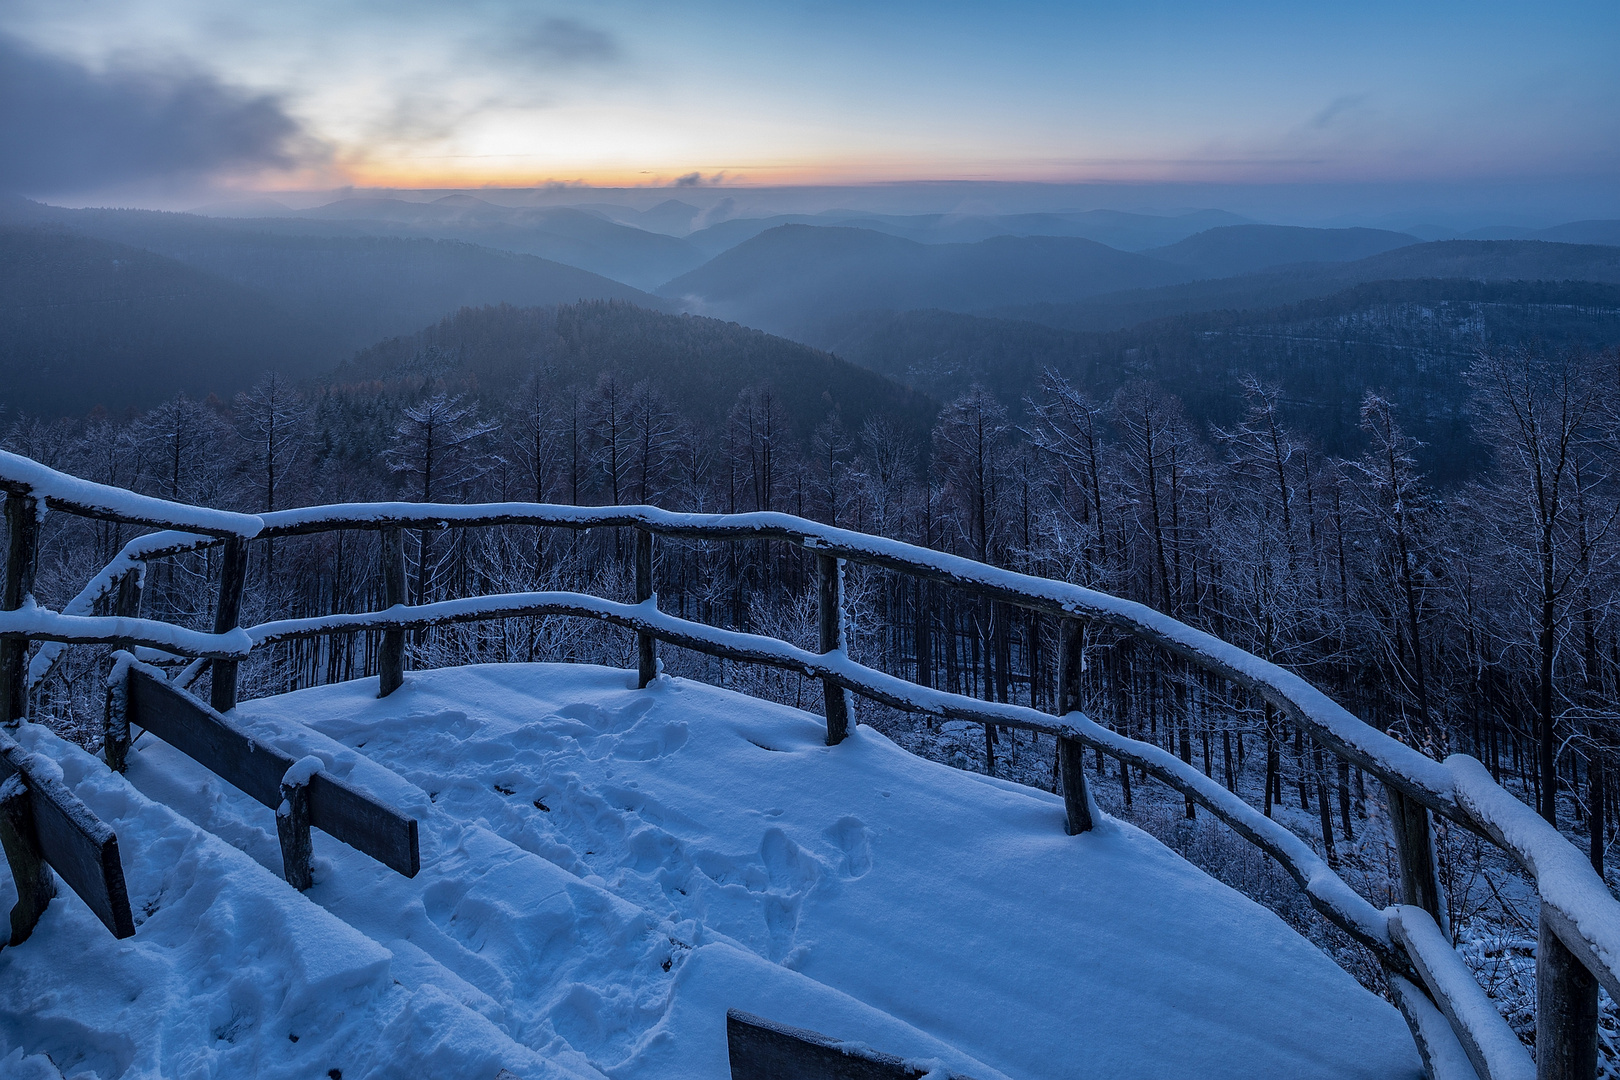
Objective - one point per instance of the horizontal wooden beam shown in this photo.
(79, 846)
(256, 768)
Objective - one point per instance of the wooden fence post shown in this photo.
(1414, 846)
(115, 721)
(830, 596)
(227, 615)
(1071, 753)
(35, 883)
(115, 726)
(1566, 1010)
(22, 555)
(391, 657)
(646, 644)
(292, 828)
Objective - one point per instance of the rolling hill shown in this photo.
(700, 364)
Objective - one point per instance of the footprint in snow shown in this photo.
(851, 836)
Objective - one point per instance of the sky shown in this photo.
(138, 98)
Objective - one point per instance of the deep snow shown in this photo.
(606, 870)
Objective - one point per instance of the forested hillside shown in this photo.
(1409, 340)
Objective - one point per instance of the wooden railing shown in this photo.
(1455, 1025)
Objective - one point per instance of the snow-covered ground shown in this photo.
(605, 871)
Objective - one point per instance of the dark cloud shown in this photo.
(565, 41)
(64, 128)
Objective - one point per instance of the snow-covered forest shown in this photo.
(1475, 619)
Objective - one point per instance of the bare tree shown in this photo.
(1545, 415)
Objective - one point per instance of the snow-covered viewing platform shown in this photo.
(606, 870)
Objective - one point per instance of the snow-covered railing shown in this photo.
(1450, 1018)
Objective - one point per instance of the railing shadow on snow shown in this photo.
(1455, 1025)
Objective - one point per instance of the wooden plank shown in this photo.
(29, 870)
(206, 737)
(79, 846)
(256, 769)
(762, 1049)
(365, 824)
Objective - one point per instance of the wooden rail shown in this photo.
(1580, 936)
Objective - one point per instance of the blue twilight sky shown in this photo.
(106, 96)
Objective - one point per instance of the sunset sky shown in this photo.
(297, 94)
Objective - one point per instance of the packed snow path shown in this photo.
(606, 870)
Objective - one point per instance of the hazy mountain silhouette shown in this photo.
(353, 290)
(1477, 260)
(1127, 232)
(794, 275)
(1244, 249)
(88, 322)
(567, 235)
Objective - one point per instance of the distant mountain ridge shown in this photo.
(1242, 249)
(1474, 260)
(794, 278)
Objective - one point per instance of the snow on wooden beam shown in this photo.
(85, 498)
(1491, 1045)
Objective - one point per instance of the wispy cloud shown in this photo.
(66, 128)
(1337, 108)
